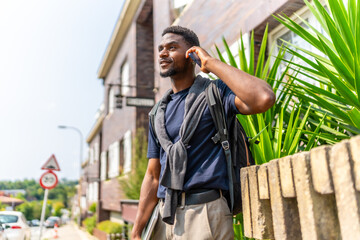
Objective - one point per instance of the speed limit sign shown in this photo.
(48, 180)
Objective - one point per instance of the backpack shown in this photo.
(234, 143)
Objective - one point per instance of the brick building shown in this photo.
(129, 69)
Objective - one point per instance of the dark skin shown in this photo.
(253, 96)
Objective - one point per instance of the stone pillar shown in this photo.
(285, 214)
(314, 208)
(260, 209)
(347, 198)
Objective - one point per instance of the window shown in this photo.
(111, 100)
(91, 155)
(96, 152)
(93, 192)
(8, 218)
(114, 159)
(127, 151)
(83, 202)
(282, 33)
(96, 191)
(125, 78)
(178, 6)
(89, 192)
(103, 166)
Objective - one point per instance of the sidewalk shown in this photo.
(69, 231)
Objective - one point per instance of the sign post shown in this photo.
(48, 181)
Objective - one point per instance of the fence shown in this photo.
(309, 195)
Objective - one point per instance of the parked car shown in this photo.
(16, 226)
(51, 221)
(35, 222)
(2, 231)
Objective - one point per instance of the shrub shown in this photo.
(109, 227)
(57, 207)
(90, 223)
(92, 208)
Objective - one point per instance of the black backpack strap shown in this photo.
(216, 108)
(152, 115)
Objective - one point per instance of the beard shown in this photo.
(173, 70)
(168, 73)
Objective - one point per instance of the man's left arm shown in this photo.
(253, 95)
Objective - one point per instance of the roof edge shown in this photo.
(95, 129)
(127, 13)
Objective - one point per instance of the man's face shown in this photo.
(172, 59)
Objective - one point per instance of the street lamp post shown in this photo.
(81, 158)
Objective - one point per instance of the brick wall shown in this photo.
(212, 19)
(310, 195)
(111, 194)
(144, 60)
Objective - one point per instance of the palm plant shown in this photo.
(281, 129)
(335, 69)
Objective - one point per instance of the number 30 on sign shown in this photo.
(48, 180)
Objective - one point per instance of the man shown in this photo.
(186, 170)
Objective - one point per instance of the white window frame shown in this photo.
(114, 160)
(179, 7)
(125, 78)
(127, 151)
(91, 155)
(96, 151)
(103, 165)
(111, 100)
(281, 30)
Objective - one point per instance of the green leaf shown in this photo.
(357, 29)
(279, 134)
(220, 55)
(231, 57)
(352, 12)
(253, 139)
(331, 131)
(342, 21)
(287, 140)
(320, 91)
(295, 141)
(311, 141)
(242, 56)
(338, 41)
(265, 140)
(341, 87)
(357, 76)
(354, 115)
(262, 52)
(298, 30)
(343, 70)
(328, 106)
(317, 13)
(252, 54)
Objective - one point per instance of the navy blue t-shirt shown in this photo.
(206, 166)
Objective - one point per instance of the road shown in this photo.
(65, 232)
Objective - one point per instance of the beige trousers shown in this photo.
(211, 220)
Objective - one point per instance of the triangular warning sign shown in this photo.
(51, 164)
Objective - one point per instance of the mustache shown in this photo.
(167, 60)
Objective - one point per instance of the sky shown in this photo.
(50, 52)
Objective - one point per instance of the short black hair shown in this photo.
(189, 36)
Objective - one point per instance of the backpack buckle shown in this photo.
(225, 144)
(216, 138)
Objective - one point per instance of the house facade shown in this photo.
(129, 69)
